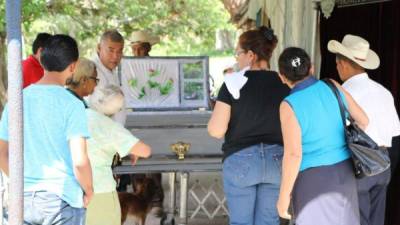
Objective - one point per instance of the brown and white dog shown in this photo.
(136, 206)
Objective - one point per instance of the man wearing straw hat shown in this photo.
(353, 57)
(141, 43)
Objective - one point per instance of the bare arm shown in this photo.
(218, 124)
(81, 166)
(354, 109)
(292, 156)
(4, 156)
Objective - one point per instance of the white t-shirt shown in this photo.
(108, 77)
(377, 102)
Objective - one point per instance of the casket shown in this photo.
(167, 99)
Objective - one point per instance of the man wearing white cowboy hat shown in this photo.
(353, 57)
(141, 43)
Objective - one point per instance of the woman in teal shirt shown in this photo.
(316, 171)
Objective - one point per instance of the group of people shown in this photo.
(285, 153)
(73, 126)
(284, 137)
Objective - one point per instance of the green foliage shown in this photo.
(164, 88)
(193, 70)
(193, 90)
(186, 27)
(2, 16)
(153, 84)
(167, 88)
(142, 92)
(30, 11)
(133, 83)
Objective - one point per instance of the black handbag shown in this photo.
(368, 158)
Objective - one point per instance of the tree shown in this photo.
(30, 11)
(186, 27)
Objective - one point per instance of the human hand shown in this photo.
(134, 159)
(87, 197)
(283, 207)
(228, 70)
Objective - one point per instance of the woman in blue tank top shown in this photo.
(316, 173)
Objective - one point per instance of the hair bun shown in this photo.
(268, 33)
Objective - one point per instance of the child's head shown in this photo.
(40, 40)
(58, 53)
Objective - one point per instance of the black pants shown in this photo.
(393, 192)
(372, 198)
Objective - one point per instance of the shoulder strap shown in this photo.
(119, 75)
(335, 90)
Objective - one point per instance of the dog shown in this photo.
(137, 205)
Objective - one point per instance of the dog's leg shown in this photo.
(133, 220)
(143, 219)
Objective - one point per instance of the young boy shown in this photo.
(57, 172)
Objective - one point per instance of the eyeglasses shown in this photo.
(95, 79)
(238, 52)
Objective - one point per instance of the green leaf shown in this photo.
(133, 82)
(153, 84)
(167, 88)
(142, 93)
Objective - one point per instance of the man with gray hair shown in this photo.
(107, 59)
(109, 55)
(353, 57)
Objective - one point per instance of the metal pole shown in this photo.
(184, 194)
(2, 188)
(15, 142)
(172, 196)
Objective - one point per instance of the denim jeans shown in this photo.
(252, 179)
(45, 208)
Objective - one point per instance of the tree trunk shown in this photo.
(224, 40)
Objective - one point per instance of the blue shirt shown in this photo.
(322, 132)
(52, 116)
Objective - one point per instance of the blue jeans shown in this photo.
(252, 179)
(45, 208)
